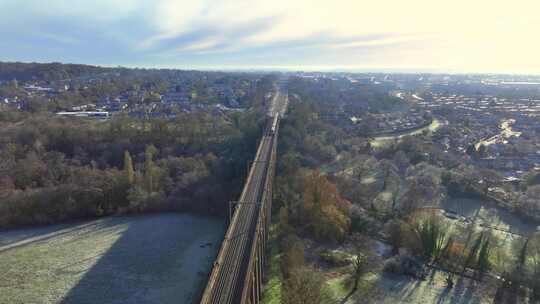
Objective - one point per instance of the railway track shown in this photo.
(236, 274)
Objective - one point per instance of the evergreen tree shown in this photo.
(446, 249)
(128, 168)
(473, 253)
(483, 258)
(284, 220)
(149, 168)
(522, 256)
(432, 236)
(471, 150)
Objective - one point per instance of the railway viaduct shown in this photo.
(238, 271)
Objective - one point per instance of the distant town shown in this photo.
(496, 115)
(183, 92)
(388, 188)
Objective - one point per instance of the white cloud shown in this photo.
(459, 34)
(63, 39)
(467, 30)
(200, 46)
(97, 10)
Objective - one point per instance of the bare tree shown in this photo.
(360, 266)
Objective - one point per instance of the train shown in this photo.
(274, 125)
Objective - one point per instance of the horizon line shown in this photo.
(360, 69)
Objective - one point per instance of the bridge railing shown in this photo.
(248, 285)
(253, 281)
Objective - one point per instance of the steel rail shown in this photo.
(223, 286)
(236, 276)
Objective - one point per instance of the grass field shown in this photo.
(388, 289)
(162, 258)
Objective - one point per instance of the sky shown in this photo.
(458, 36)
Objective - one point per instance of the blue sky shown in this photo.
(426, 35)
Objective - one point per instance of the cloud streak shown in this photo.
(460, 35)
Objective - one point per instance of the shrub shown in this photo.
(293, 254)
(393, 265)
(405, 265)
(359, 224)
(335, 258)
(304, 285)
(50, 205)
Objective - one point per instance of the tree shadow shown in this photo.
(155, 259)
(406, 289)
(463, 292)
(401, 285)
(442, 297)
(14, 239)
(347, 297)
(161, 258)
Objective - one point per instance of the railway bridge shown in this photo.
(237, 274)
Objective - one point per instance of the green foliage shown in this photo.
(461, 184)
(304, 285)
(284, 226)
(49, 71)
(10, 115)
(150, 169)
(293, 255)
(359, 224)
(522, 256)
(445, 252)
(432, 235)
(128, 168)
(195, 163)
(335, 258)
(306, 140)
(472, 257)
(531, 178)
(324, 212)
(360, 266)
(484, 264)
(95, 193)
(396, 230)
(328, 94)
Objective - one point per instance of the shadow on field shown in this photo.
(463, 292)
(432, 289)
(147, 264)
(108, 276)
(20, 238)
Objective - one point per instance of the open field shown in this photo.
(490, 216)
(378, 287)
(162, 258)
(387, 289)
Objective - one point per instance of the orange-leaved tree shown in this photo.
(324, 212)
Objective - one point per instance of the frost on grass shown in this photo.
(146, 259)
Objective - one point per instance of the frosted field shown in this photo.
(161, 258)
